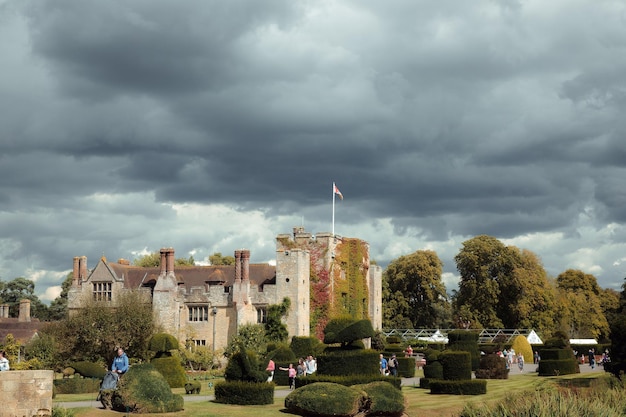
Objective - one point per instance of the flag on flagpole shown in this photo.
(336, 191)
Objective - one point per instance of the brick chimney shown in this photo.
(170, 261)
(75, 271)
(24, 311)
(82, 274)
(237, 266)
(245, 265)
(163, 252)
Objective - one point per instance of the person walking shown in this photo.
(291, 374)
(271, 366)
(392, 364)
(520, 362)
(383, 365)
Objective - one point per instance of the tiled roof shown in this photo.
(21, 331)
(193, 276)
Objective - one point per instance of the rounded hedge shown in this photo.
(162, 342)
(383, 399)
(171, 369)
(326, 399)
(89, 369)
(144, 390)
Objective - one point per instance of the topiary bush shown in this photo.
(464, 387)
(492, 366)
(383, 399)
(244, 393)
(521, 345)
(349, 380)
(465, 340)
(144, 390)
(305, 346)
(162, 343)
(325, 399)
(89, 369)
(171, 369)
(456, 365)
(349, 362)
(244, 366)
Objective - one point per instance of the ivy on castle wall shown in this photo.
(350, 275)
(320, 290)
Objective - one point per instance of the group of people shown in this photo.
(512, 358)
(306, 366)
(388, 367)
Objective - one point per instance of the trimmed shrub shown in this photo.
(162, 342)
(76, 385)
(348, 380)
(89, 369)
(361, 329)
(406, 367)
(282, 353)
(337, 400)
(244, 366)
(552, 367)
(492, 366)
(193, 387)
(383, 399)
(349, 362)
(465, 387)
(244, 393)
(467, 341)
(433, 370)
(144, 390)
(334, 327)
(556, 354)
(171, 369)
(393, 340)
(521, 345)
(305, 346)
(456, 365)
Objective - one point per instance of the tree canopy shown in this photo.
(218, 259)
(413, 293)
(154, 259)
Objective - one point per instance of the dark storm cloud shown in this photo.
(141, 123)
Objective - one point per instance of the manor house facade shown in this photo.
(207, 304)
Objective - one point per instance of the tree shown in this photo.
(481, 262)
(154, 260)
(586, 316)
(93, 334)
(250, 337)
(58, 306)
(218, 259)
(13, 292)
(527, 300)
(275, 329)
(415, 291)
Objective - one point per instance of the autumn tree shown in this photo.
(218, 259)
(584, 307)
(414, 293)
(503, 286)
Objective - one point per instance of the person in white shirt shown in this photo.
(4, 362)
(311, 365)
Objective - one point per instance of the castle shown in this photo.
(323, 276)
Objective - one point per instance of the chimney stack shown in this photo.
(163, 260)
(82, 274)
(24, 311)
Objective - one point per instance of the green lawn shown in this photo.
(419, 401)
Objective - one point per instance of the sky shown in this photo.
(209, 126)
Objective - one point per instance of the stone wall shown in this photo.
(26, 393)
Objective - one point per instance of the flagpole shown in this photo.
(333, 209)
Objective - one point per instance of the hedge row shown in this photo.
(244, 393)
(76, 385)
(348, 380)
(349, 362)
(465, 387)
(551, 367)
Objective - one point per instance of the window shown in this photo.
(102, 291)
(197, 343)
(198, 313)
(261, 315)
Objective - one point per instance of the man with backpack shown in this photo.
(393, 365)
